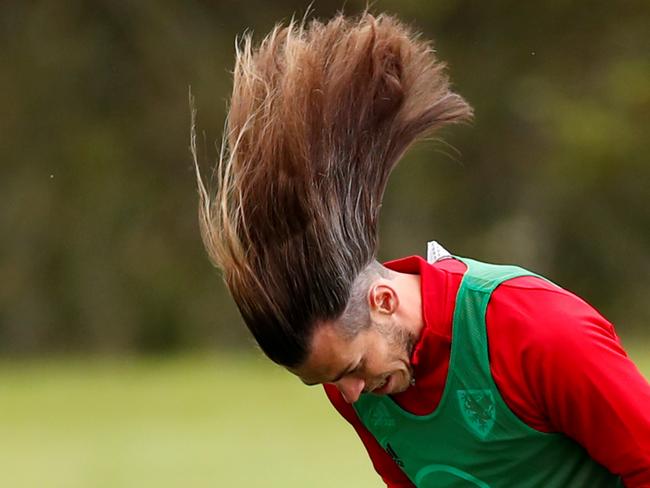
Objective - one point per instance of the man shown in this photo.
(454, 372)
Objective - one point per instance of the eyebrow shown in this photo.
(350, 367)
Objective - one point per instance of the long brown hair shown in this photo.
(320, 115)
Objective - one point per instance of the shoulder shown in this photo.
(543, 342)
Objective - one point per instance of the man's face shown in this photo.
(376, 360)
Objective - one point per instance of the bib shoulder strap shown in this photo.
(486, 277)
(470, 356)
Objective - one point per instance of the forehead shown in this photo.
(331, 352)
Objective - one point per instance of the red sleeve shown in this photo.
(560, 367)
(392, 475)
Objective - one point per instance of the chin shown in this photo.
(401, 385)
(401, 379)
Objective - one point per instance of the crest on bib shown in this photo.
(478, 409)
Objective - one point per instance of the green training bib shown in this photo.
(472, 439)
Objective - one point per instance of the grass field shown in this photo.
(188, 422)
(220, 421)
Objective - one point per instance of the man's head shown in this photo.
(320, 115)
(368, 348)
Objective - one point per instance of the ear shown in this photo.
(382, 298)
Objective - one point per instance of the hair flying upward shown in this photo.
(320, 115)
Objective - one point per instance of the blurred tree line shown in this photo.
(99, 246)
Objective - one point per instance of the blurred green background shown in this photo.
(122, 359)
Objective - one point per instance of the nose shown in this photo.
(350, 388)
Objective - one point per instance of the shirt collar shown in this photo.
(437, 305)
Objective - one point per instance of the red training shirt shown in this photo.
(557, 362)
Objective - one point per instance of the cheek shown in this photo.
(383, 365)
(376, 366)
(389, 355)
